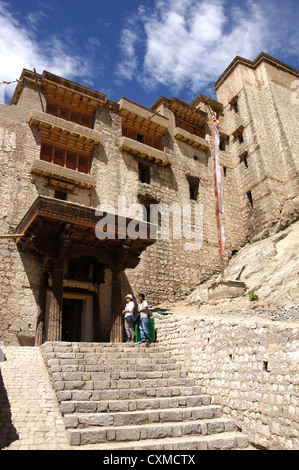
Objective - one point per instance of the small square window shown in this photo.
(144, 173)
(235, 107)
(60, 195)
(222, 144)
(193, 188)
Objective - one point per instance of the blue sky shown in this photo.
(143, 49)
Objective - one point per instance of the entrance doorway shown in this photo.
(72, 320)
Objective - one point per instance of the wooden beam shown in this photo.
(15, 235)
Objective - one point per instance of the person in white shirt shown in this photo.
(143, 320)
(128, 312)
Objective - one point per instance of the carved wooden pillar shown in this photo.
(55, 314)
(117, 327)
(40, 325)
(98, 278)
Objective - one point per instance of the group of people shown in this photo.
(132, 317)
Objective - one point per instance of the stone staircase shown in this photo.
(134, 397)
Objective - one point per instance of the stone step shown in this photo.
(97, 435)
(116, 364)
(95, 347)
(70, 366)
(131, 350)
(86, 373)
(73, 382)
(126, 394)
(140, 366)
(81, 420)
(133, 404)
(223, 441)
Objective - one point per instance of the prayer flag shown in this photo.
(219, 186)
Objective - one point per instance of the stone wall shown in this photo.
(268, 115)
(250, 367)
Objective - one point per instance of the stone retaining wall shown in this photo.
(249, 367)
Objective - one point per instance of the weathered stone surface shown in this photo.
(248, 365)
(153, 412)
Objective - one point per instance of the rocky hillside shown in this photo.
(270, 268)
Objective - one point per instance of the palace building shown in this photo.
(66, 150)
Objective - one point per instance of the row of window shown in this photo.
(66, 158)
(68, 114)
(87, 120)
(189, 127)
(144, 176)
(144, 139)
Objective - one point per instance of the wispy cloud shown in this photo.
(127, 67)
(189, 44)
(21, 48)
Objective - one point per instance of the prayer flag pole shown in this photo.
(219, 192)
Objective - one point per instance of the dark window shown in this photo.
(139, 138)
(235, 106)
(241, 137)
(144, 173)
(46, 152)
(249, 195)
(60, 195)
(222, 144)
(224, 171)
(193, 189)
(71, 160)
(243, 159)
(196, 158)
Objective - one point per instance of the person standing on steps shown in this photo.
(143, 320)
(128, 312)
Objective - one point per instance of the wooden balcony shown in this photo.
(143, 151)
(191, 139)
(142, 119)
(61, 177)
(64, 132)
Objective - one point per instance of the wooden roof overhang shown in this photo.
(70, 93)
(142, 119)
(214, 105)
(65, 91)
(60, 229)
(183, 110)
(63, 132)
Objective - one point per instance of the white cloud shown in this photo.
(189, 44)
(127, 67)
(20, 49)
